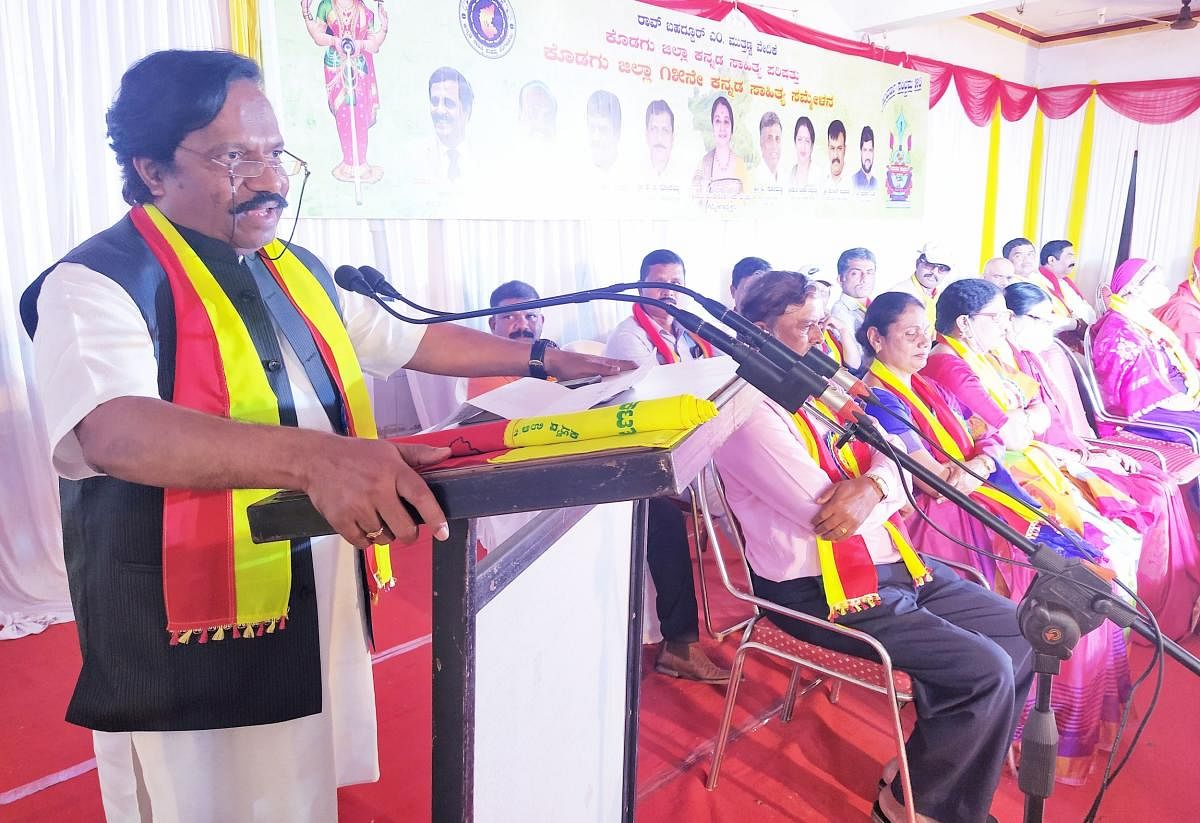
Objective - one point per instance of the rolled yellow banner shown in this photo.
(682, 412)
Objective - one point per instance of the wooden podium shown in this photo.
(552, 733)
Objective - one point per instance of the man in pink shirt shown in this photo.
(971, 667)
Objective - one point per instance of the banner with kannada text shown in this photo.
(542, 109)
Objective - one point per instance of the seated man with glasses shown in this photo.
(188, 363)
(823, 537)
(515, 325)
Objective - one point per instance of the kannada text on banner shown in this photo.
(540, 109)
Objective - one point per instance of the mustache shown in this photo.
(519, 333)
(260, 200)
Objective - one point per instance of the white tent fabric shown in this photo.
(60, 64)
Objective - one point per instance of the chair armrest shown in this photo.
(1156, 455)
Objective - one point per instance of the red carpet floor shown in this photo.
(821, 767)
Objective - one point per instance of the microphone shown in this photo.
(839, 375)
(778, 352)
(351, 279)
(379, 283)
(789, 387)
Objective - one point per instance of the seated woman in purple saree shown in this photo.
(1168, 572)
(1141, 367)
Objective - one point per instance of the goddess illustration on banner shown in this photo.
(351, 35)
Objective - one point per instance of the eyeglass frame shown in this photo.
(1007, 314)
(233, 177)
(277, 166)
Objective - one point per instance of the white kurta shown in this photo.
(92, 346)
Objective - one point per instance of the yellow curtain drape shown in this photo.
(987, 248)
(1196, 233)
(1033, 189)
(1083, 167)
(244, 35)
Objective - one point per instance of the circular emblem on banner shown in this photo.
(488, 26)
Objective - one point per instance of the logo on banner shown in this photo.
(899, 178)
(488, 26)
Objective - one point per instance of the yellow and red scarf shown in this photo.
(847, 570)
(665, 353)
(938, 421)
(216, 581)
(1059, 300)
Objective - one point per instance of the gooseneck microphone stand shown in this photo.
(1068, 598)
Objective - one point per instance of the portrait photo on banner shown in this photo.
(535, 109)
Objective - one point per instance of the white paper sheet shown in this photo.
(529, 397)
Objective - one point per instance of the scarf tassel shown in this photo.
(237, 630)
(854, 604)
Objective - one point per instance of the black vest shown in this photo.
(132, 679)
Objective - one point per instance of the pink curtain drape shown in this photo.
(1149, 101)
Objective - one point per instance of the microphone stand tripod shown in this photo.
(1067, 599)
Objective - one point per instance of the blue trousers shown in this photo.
(971, 671)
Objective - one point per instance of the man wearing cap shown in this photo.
(929, 274)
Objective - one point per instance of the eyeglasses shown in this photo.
(1005, 316)
(941, 268)
(285, 163)
(813, 326)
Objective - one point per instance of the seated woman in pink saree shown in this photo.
(975, 319)
(1181, 312)
(1141, 367)
(1168, 574)
(1094, 682)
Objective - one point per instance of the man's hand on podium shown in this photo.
(566, 365)
(358, 486)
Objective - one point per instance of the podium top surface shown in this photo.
(556, 482)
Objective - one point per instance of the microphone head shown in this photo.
(821, 363)
(378, 283)
(351, 279)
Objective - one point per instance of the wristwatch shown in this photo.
(880, 484)
(537, 358)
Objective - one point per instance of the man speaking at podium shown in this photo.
(189, 363)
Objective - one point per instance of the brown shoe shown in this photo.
(688, 661)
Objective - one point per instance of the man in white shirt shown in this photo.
(451, 100)
(138, 334)
(768, 176)
(660, 142)
(970, 666)
(651, 336)
(856, 275)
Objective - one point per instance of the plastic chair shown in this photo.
(763, 636)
